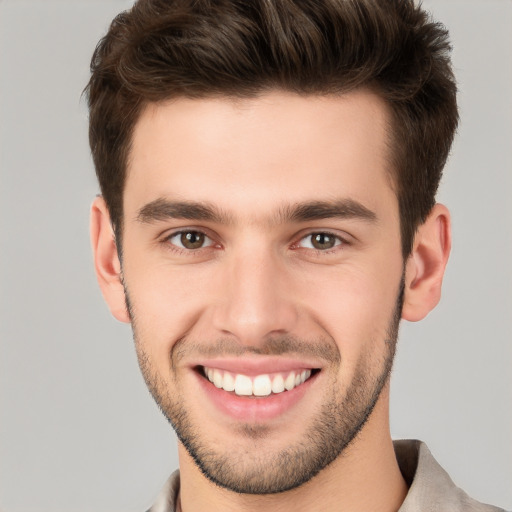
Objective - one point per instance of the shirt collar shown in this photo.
(430, 487)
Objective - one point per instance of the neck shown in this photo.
(365, 476)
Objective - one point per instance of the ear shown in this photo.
(426, 265)
(106, 260)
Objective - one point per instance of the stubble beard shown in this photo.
(252, 471)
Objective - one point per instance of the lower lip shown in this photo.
(254, 409)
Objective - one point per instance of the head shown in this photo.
(161, 50)
(269, 170)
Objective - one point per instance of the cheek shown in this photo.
(166, 303)
(354, 307)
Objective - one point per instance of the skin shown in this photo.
(258, 278)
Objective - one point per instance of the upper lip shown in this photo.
(257, 365)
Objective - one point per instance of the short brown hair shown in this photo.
(160, 49)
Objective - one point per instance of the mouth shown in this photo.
(262, 385)
(256, 394)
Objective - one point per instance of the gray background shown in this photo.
(78, 430)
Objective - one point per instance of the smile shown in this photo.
(258, 385)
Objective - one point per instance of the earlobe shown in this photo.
(426, 265)
(106, 260)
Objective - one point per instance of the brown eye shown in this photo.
(320, 241)
(192, 239)
(323, 241)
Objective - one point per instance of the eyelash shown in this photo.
(340, 242)
(339, 245)
(182, 250)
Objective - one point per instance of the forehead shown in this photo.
(251, 155)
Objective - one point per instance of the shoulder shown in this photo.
(166, 500)
(430, 487)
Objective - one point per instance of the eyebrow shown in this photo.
(164, 209)
(317, 210)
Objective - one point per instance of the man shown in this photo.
(268, 173)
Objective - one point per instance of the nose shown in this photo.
(256, 297)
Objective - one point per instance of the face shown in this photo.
(262, 268)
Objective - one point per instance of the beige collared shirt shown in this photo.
(430, 487)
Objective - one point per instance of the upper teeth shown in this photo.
(260, 385)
